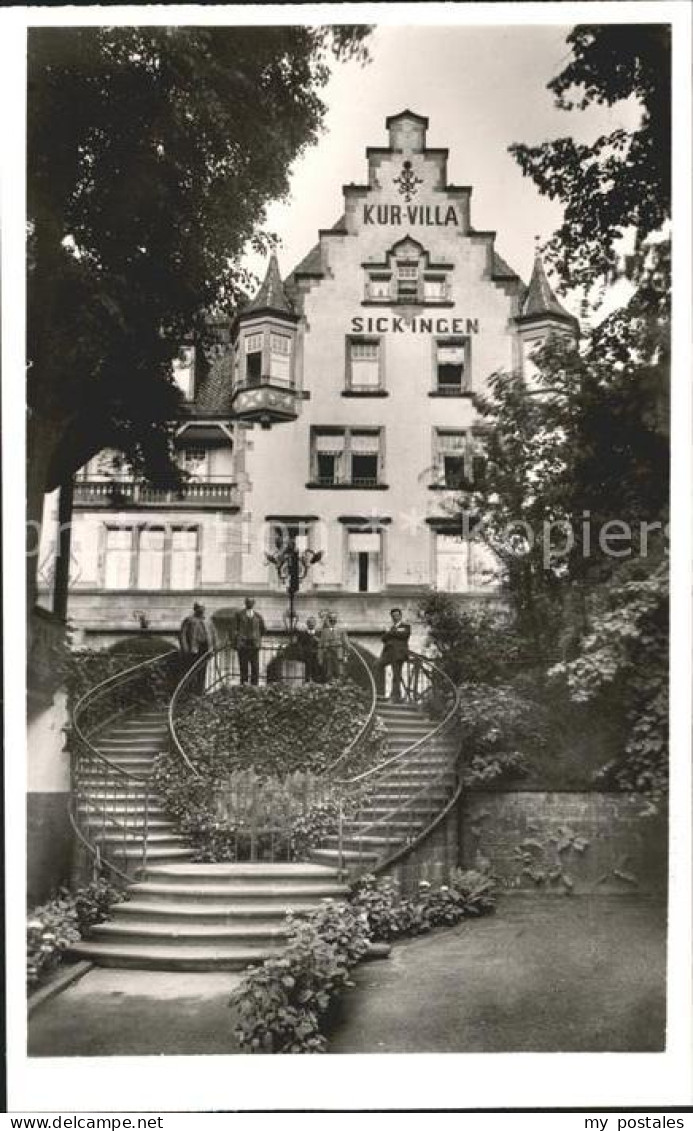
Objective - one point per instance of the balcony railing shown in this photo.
(219, 492)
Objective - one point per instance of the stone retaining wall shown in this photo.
(560, 843)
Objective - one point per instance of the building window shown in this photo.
(364, 555)
(253, 359)
(150, 559)
(118, 557)
(378, 287)
(452, 449)
(280, 359)
(365, 458)
(451, 374)
(407, 280)
(463, 564)
(348, 457)
(184, 371)
(364, 370)
(435, 288)
(183, 573)
(328, 452)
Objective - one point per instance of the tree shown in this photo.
(152, 155)
(622, 181)
(586, 445)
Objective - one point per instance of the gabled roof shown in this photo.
(271, 295)
(539, 299)
(213, 397)
(405, 114)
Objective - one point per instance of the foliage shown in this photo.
(622, 666)
(501, 728)
(390, 915)
(276, 729)
(622, 180)
(63, 920)
(153, 154)
(473, 644)
(259, 754)
(281, 1006)
(140, 647)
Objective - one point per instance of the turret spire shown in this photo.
(271, 295)
(540, 299)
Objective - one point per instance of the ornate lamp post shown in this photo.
(292, 567)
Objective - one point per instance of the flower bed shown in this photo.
(282, 1006)
(63, 920)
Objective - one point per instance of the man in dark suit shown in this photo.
(309, 643)
(248, 631)
(395, 651)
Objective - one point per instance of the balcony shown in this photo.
(215, 494)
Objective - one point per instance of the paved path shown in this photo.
(137, 1013)
(573, 974)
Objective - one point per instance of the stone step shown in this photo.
(368, 840)
(205, 912)
(348, 856)
(132, 821)
(158, 838)
(150, 956)
(271, 872)
(288, 895)
(174, 932)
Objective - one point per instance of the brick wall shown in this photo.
(565, 842)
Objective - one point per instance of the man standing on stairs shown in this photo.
(395, 651)
(334, 648)
(248, 631)
(197, 638)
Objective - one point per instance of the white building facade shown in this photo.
(338, 409)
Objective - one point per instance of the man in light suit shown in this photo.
(248, 631)
(334, 648)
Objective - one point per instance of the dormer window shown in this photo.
(379, 286)
(184, 371)
(407, 280)
(435, 288)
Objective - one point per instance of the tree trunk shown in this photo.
(42, 437)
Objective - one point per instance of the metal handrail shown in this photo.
(87, 752)
(366, 728)
(426, 738)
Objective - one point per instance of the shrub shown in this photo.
(63, 920)
(280, 1005)
(276, 729)
(389, 915)
(501, 727)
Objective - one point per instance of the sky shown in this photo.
(481, 89)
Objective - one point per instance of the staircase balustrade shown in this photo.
(100, 788)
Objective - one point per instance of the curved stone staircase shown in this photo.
(184, 915)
